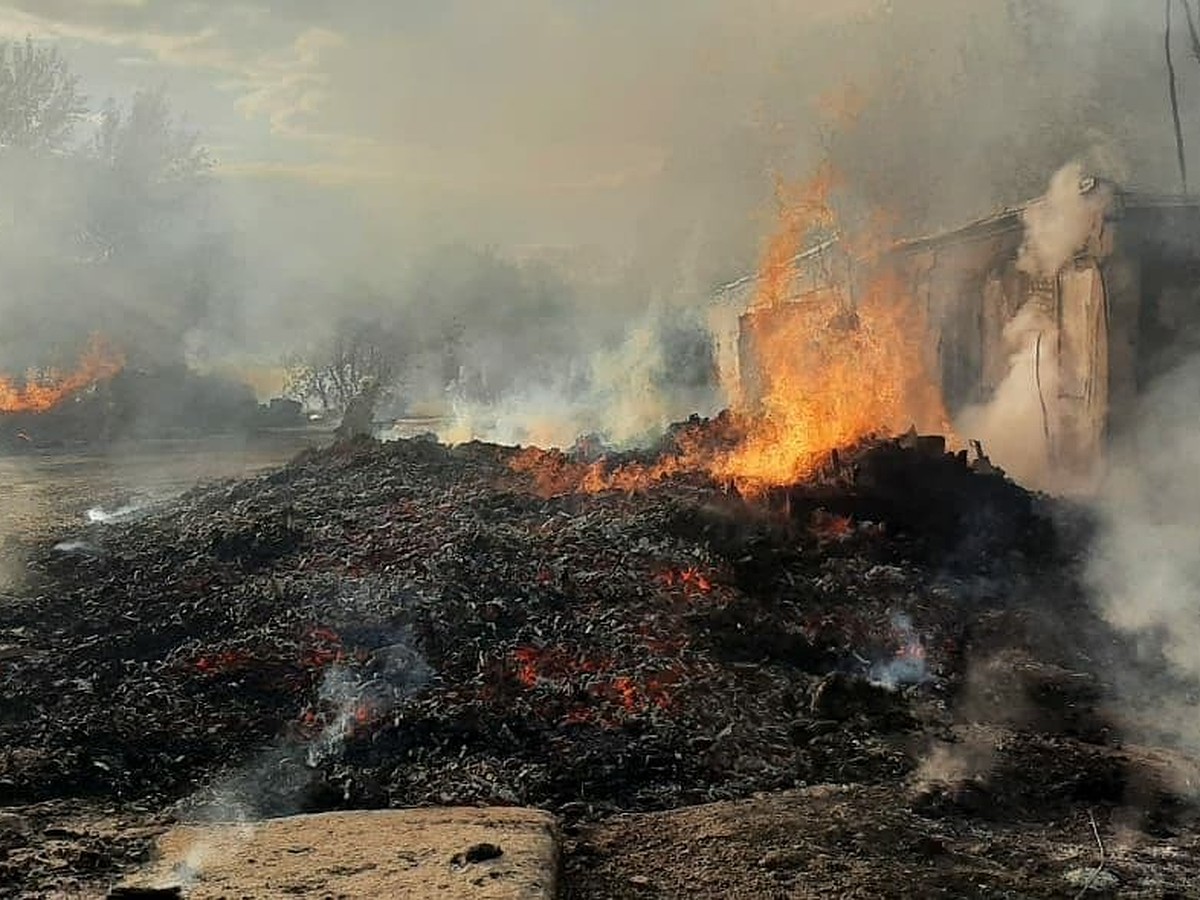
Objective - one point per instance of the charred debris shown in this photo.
(393, 624)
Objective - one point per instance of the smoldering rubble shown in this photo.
(407, 624)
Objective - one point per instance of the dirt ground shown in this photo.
(423, 854)
(870, 842)
(887, 683)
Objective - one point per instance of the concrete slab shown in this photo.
(439, 854)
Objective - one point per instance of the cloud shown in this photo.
(283, 85)
(289, 88)
(325, 174)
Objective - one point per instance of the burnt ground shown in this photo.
(887, 682)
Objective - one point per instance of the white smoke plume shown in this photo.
(1017, 423)
(662, 370)
(1059, 224)
(1145, 568)
(908, 665)
(1013, 425)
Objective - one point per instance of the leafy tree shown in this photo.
(145, 145)
(148, 169)
(333, 372)
(40, 103)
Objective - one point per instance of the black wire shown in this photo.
(1174, 93)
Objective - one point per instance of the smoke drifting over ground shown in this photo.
(1146, 569)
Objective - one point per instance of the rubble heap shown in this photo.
(407, 624)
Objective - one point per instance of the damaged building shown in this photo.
(1081, 331)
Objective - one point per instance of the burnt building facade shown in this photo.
(1083, 331)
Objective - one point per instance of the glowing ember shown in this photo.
(826, 526)
(223, 662)
(688, 578)
(321, 647)
(39, 392)
(908, 664)
(564, 673)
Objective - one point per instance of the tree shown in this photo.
(145, 145)
(335, 371)
(40, 103)
(148, 169)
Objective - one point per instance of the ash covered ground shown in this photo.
(893, 664)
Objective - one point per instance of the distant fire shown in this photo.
(834, 365)
(40, 391)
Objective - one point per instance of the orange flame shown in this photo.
(689, 578)
(835, 364)
(42, 391)
(803, 210)
(826, 526)
(833, 374)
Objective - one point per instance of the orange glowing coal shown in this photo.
(38, 392)
(564, 672)
(686, 578)
(826, 526)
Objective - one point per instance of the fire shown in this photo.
(803, 211)
(687, 578)
(836, 365)
(826, 526)
(833, 365)
(39, 392)
(566, 673)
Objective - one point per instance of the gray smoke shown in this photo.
(1014, 423)
(279, 780)
(594, 160)
(1145, 568)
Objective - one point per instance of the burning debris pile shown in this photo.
(41, 391)
(406, 624)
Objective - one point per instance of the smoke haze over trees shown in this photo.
(102, 232)
(506, 191)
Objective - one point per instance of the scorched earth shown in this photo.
(886, 678)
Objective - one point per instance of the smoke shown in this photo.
(908, 665)
(1144, 570)
(1016, 424)
(595, 160)
(663, 368)
(280, 780)
(1013, 424)
(1059, 224)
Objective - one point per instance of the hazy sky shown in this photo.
(629, 125)
(462, 111)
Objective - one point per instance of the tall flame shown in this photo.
(833, 373)
(40, 391)
(835, 363)
(804, 209)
